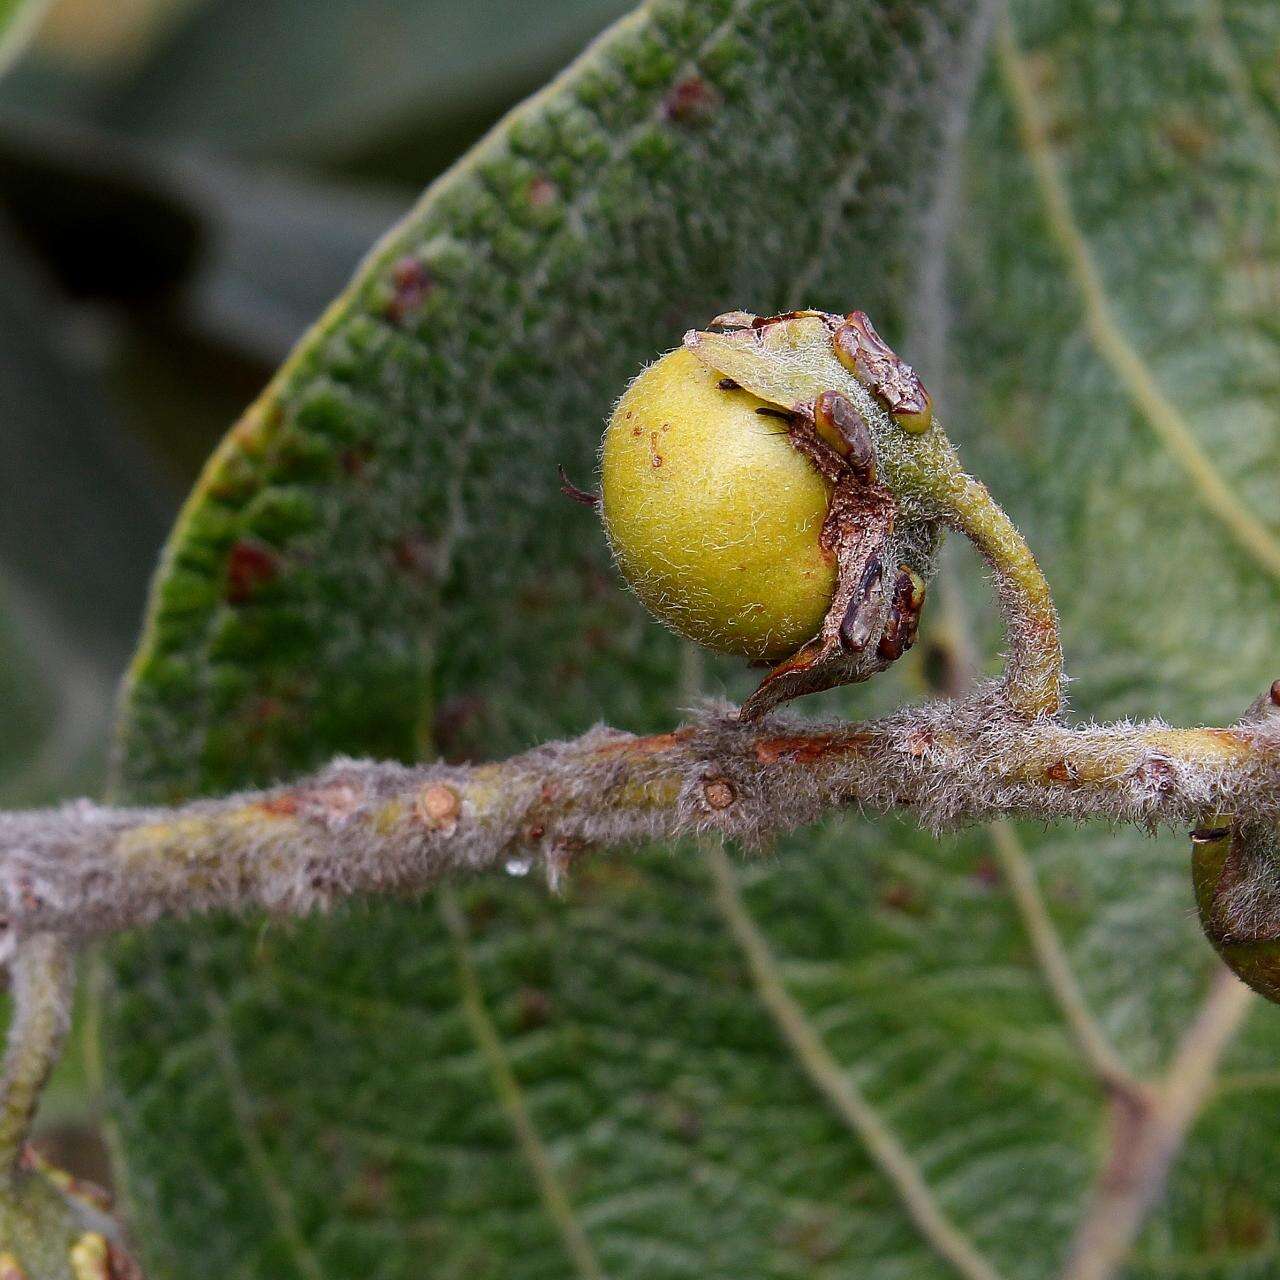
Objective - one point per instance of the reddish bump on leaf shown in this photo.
(542, 191)
(690, 101)
(534, 1007)
(415, 554)
(249, 566)
(354, 460)
(265, 709)
(986, 872)
(900, 896)
(413, 285)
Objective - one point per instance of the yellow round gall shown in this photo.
(713, 515)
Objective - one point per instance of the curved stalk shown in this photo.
(1033, 678)
(43, 974)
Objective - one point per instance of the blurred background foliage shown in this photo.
(171, 219)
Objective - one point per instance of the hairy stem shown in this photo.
(43, 974)
(371, 828)
(1033, 665)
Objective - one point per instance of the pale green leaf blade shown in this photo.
(1115, 366)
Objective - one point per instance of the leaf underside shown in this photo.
(379, 561)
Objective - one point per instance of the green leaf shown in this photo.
(497, 1083)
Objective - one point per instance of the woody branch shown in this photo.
(377, 828)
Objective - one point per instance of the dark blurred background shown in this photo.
(184, 186)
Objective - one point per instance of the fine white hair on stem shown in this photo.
(359, 827)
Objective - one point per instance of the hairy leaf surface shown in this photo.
(497, 1083)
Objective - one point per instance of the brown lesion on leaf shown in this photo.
(541, 191)
(415, 554)
(691, 100)
(250, 566)
(354, 460)
(412, 285)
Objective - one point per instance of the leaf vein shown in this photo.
(827, 1076)
(1109, 340)
(510, 1094)
(277, 1193)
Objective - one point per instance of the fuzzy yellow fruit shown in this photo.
(713, 515)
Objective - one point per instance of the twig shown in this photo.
(378, 828)
(43, 973)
